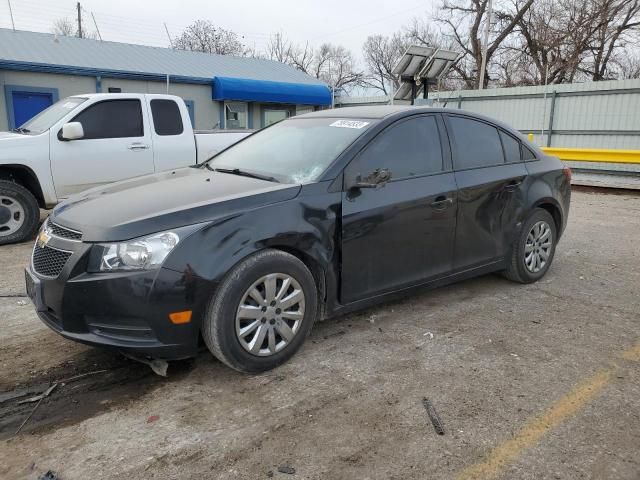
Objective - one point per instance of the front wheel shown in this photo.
(19, 213)
(533, 251)
(262, 312)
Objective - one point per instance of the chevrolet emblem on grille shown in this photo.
(43, 237)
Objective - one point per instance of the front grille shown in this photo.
(48, 261)
(63, 232)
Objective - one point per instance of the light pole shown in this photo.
(485, 44)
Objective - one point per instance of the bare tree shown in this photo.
(204, 36)
(68, 27)
(333, 64)
(628, 65)
(569, 40)
(616, 22)
(279, 49)
(381, 54)
(463, 20)
(64, 27)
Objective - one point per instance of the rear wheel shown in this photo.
(19, 213)
(533, 251)
(262, 312)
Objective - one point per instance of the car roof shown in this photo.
(373, 111)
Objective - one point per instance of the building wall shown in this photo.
(66, 84)
(207, 112)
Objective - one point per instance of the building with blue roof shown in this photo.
(221, 91)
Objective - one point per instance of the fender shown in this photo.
(222, 245)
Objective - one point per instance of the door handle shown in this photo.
(441, 202)
(138, 146)
(512, 185)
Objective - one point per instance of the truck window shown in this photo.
(166, 117)
(112, 119)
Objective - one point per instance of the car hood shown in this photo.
(153, 203)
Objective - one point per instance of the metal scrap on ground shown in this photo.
(433, 416)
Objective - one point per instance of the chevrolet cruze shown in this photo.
(313, 217)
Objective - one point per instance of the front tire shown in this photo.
(19, 213)
(262, 312)
(533, 251)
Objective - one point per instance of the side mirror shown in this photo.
(376, 179)
(72, 131)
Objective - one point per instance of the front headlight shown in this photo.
(143, 253)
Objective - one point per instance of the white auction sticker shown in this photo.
(349, 124)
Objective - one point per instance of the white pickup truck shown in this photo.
(88, 140)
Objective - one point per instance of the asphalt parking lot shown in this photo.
(530, 382)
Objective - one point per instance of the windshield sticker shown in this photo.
(69, 105)
(349, 124)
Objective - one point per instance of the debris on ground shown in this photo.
(153, 418)
(158, 366)
(287, 469)
(433, 416)
(428, 334)
(82, 375)
(37, 398)
(21, 303)
(50, 475)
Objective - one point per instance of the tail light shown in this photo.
(566, 171)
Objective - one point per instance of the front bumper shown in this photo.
(124, 311)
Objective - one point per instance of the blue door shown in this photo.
(27, 105)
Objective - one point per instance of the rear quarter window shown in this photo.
(511, 148)
(166, 117)
(527, 154)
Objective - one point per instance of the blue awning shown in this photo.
(247, 90)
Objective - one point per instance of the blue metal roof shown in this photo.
(226, 88)
(32, 51)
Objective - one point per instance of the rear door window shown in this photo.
(511, 148)
(477, 144)
(112, 119)
(166, 117)
(408, 148)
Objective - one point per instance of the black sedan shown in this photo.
(312, 217)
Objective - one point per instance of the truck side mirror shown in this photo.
(72, 131)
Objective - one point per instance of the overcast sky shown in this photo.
(346, 22)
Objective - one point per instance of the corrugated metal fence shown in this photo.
(583, 115)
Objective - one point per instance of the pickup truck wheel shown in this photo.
(262, 312)
(532, 252)
(19, 213)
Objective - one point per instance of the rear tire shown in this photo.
(532, 252)
(19, 213)
(261, 312)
